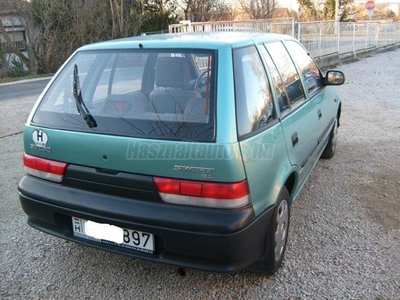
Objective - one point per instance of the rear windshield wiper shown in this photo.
(80, 105)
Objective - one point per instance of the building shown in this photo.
(16, 31)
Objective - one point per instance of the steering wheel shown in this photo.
(201, 82)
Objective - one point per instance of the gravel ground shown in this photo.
(345, 232)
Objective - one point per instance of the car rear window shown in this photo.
(166, 94)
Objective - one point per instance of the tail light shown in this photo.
(44, 168)
(200, 193)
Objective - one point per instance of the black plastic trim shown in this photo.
(320, 139)
(149, 213)
(110, 182)
(199, 238)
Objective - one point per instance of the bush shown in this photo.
(12, 67)
(16, 67)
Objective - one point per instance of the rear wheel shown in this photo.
(330, 148)
(277, 237)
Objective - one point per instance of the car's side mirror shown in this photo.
(334, 77)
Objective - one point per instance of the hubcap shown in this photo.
(282, 219)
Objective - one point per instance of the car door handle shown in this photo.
(319, 114)
(295, 139)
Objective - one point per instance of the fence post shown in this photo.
(354, 39)
(299, 31)
(386, 34)
(320, 39)
(338, 36)
(293, 33)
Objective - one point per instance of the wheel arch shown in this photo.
(290, 184)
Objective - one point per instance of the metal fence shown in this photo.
(284, 26)
(321, 38)
(328, 37)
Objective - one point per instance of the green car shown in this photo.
(184, 149)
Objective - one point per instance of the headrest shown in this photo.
(170, 72)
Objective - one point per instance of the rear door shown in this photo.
(262, 141)
(299, 116)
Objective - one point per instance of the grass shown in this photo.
(12, 79)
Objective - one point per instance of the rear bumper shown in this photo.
(189, 237)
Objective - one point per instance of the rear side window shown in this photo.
(151, 94)
(287, 71)
(278, 83)
(254, 104)
(309, 70)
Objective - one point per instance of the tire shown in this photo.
(330, 148)
(277, 237)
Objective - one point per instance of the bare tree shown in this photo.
(259, 9)
(66, 25)
(205, 10)
(223, 11)
(126, 16)
(56, 28)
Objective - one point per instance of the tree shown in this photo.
(259, 9)
(205, 10)
(308, 11)
(381, 11)
(65, 25)
(126, 16)
(157, 15)
(222, 11)
(345, 7)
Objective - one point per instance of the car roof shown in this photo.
(199, 40)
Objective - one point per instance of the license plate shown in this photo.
(110, 234)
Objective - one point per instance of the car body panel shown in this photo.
(141, 156)
(266, 165)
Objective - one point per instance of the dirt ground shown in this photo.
(369, 141)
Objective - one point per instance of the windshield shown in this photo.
(153, 94)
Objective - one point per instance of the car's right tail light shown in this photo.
(202, 193)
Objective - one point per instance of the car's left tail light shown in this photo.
(44, 168)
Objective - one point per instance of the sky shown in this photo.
(294, 5)
(392, 4)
